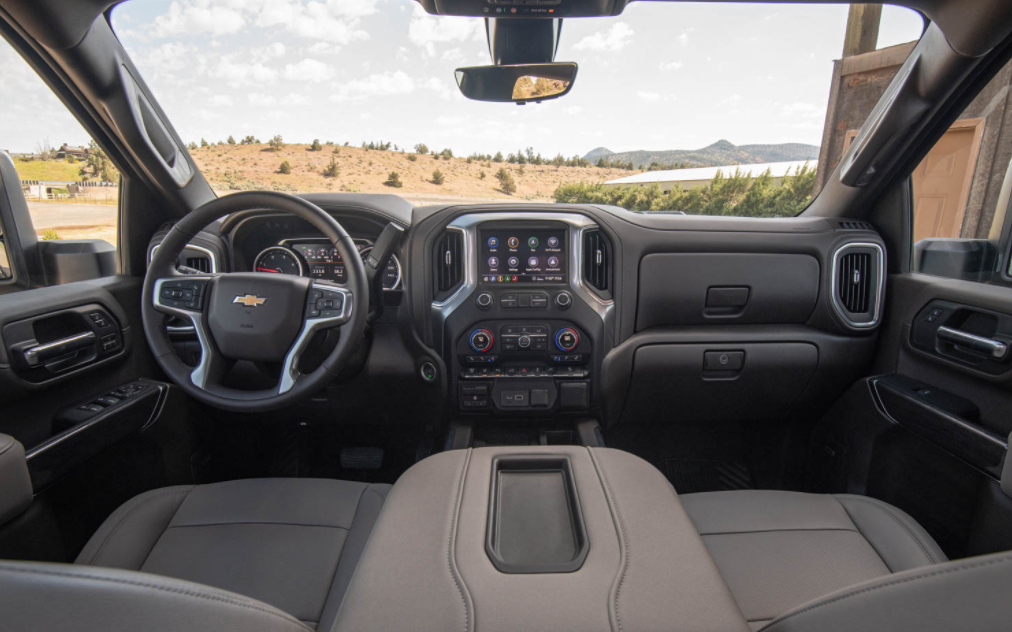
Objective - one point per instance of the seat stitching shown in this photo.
(895, 582)
(252, 522)
(169, 589)
(897, 519)
(449, 544)
(622, 537)
(778, 531)
(122, 520)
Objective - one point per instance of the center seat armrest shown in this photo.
(427, 565)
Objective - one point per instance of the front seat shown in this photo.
(290, 543)
(778, 550)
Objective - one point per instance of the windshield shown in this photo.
(697, 107)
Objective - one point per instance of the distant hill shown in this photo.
(719, 154)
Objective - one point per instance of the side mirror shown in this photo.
(519, 83)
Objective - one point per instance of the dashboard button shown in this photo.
(524, 342)
(563, 300)
(484, 300)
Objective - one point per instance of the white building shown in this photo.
(692, 178)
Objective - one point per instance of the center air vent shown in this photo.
(449, 263)
(845, 224)
(597, 262)
(857, 283)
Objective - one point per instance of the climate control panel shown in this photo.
(523, 366)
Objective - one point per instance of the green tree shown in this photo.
(98, 166)
(506, 181)
(438, 177)
(394, 180)
(421, 148)
(316, 146)
(497, 157)
(285, 168)
(250, 140)
(332, 170)
(230, 141)
(276, 143)
(203, 143)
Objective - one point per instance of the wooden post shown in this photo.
(862, 29)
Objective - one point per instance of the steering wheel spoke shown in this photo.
(327, 306)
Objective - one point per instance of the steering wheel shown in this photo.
(250, 316)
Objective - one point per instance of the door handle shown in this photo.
(41, 353)
(994, 349)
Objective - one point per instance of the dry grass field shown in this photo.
(237, 167)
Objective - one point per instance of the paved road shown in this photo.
(55, 214)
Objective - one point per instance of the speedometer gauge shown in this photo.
(278, 260)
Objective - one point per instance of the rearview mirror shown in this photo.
(519, 83)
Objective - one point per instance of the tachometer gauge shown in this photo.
(278, 260)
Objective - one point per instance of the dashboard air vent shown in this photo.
(854, 284)
(597, 262)
(858, 283)
(203, 264)
(449, 263)
(854, 225)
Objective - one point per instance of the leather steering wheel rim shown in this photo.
(163, 267)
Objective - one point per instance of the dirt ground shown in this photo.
(230, 168)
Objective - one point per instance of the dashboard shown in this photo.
(512, 311)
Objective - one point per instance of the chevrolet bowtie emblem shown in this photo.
(250, 300)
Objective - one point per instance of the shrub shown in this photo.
(421, 148)
(394, 180)
(734, 195)
(497, 157)
(506, 181)
(285, 168)
(192, 145)
(230, 141)
(250, 140)
(49, 235)
(412, 157)
(332, 170)
(481, 174)
(276, 143)
(316, 146)
(437, 176)
(203, 143)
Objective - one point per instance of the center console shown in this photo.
(524, 335)
(558, 538)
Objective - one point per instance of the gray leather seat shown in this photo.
(778, 550)
(290, 543)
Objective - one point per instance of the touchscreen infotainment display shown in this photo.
(516, 255)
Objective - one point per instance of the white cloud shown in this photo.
(426, 30)
(734, 98)
(385, 84)
(296, 99)
(256, 98)
(452, 55)
(236, 73)
(671, 65)
(807, 110)
(683, 39)
(310, 70)
(324, 48)
(221, 99)
(450, 121)
(442, 88)
(187, 18)
(648, 96)
(574, 109)
(616, 38)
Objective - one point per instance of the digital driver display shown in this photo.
(522, 256)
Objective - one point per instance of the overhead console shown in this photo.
(525, 8)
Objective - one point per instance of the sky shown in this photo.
(660, 76)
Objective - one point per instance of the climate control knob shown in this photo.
(481, 340)
(566, 339)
